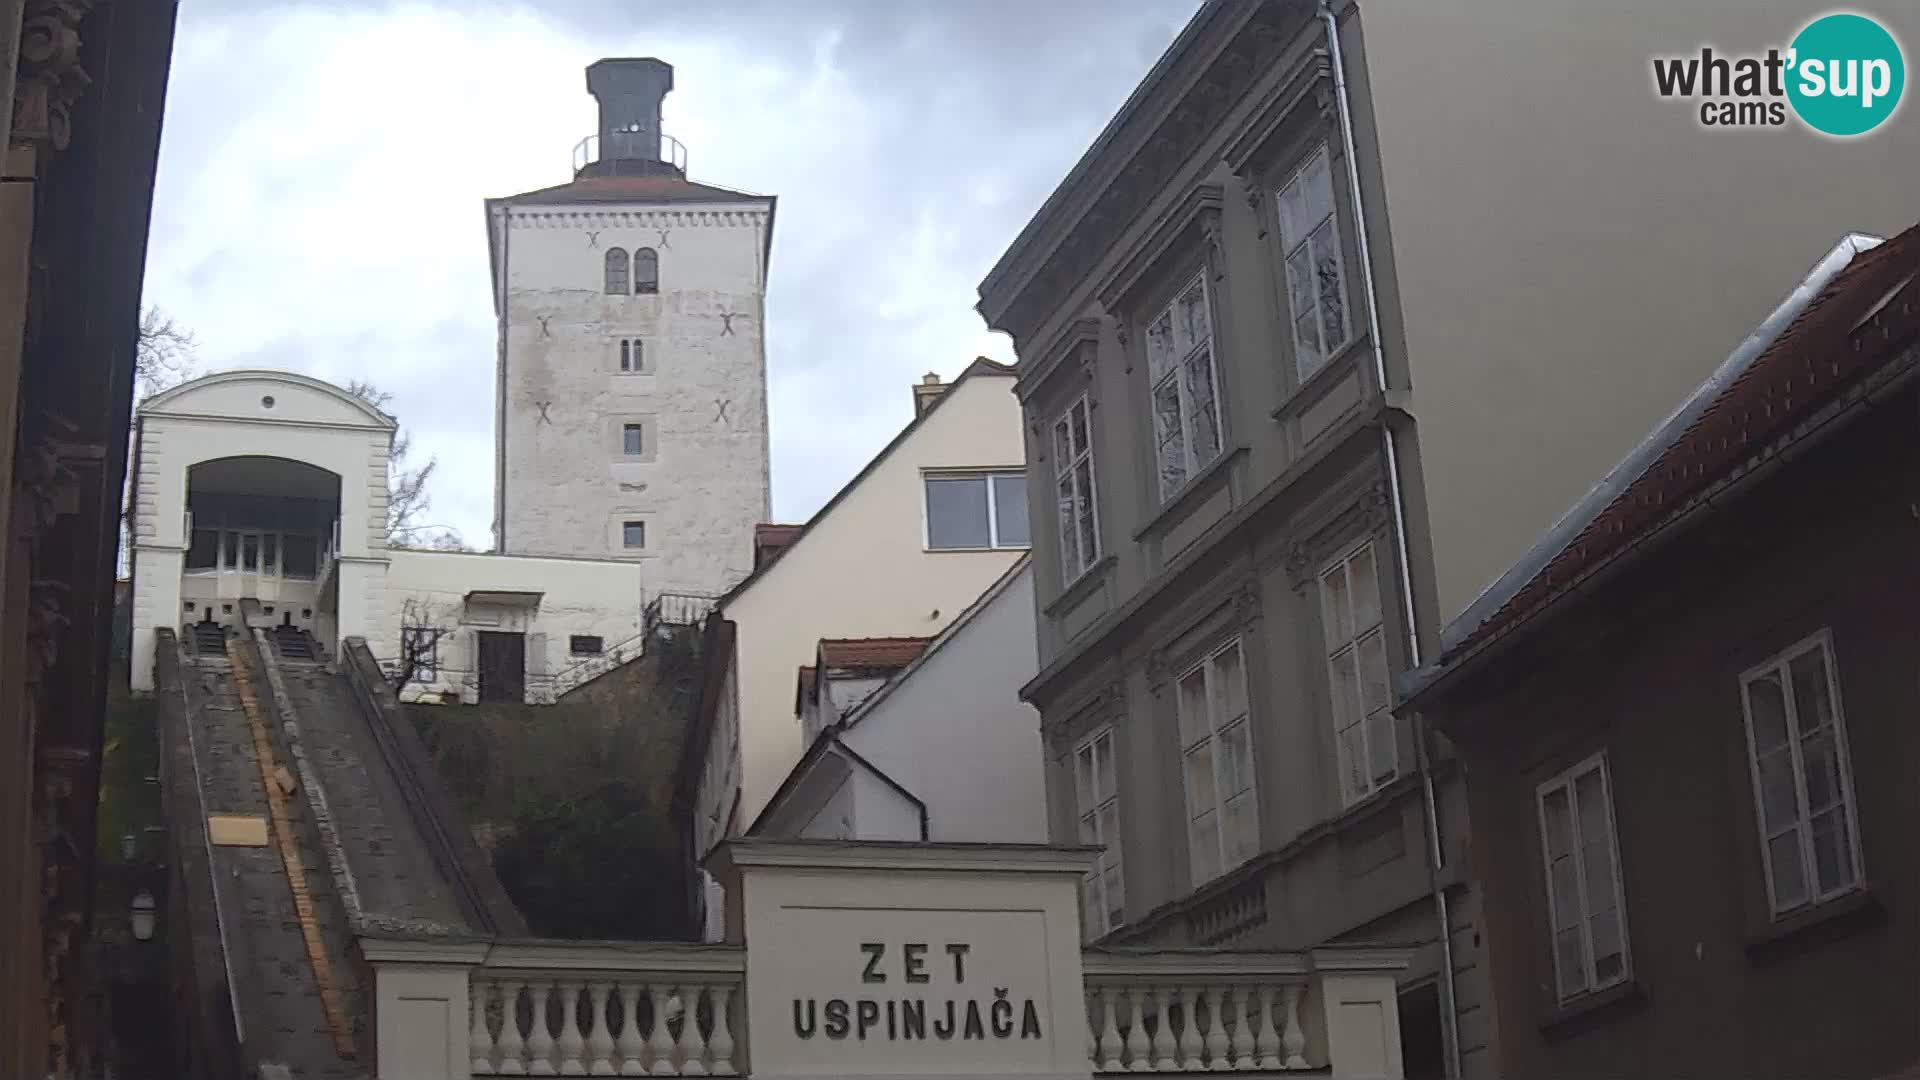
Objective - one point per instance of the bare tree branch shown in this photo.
(407, 498)
(163, 353)
(420, 636)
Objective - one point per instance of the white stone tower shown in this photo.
(631, 409)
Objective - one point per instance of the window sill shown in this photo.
(1581, 1013)
(1829, 920)
(1080, 587)
(1207, 479)
(1337, 367)
(974, 550)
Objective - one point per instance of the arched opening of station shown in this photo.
(261, 529)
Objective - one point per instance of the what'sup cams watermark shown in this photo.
(1843, 75)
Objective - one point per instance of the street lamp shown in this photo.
(142, 916)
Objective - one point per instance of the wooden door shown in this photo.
(503, 667)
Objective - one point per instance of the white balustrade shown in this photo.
(1165, 1012)
(550, 1008)
(572, 1026)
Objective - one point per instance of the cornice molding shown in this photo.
(525, 218)
(1137, 178)
(1064, 352)
(1366, 513)
(1310, 80)
(1196, 214)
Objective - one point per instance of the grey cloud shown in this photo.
(908, 142)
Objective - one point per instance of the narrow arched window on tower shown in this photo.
(646, 271)
(616, 272)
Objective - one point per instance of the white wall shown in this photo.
(579, 596)
(955, 732)
(227, 415)
(864, 571)
(703, 483)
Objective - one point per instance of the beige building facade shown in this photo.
(1316, 338)
(902, 551)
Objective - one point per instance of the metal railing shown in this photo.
(672, 151)
(676, 609)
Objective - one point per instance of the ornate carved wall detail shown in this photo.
(1246, 603)
(1210, 237)
(46, 621)
(1159, 669)
(1376, 507)
(1299, 564)
(50, 78)
(1256, 202)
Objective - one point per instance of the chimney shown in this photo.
(629, 92)
(927, 392)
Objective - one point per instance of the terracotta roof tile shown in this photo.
(1803, 369)
(882, 653)
(614, 189)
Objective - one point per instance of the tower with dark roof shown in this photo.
(631, 403)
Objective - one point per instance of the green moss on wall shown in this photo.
(577, 796)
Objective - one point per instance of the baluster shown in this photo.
(1242, 1029)
(479, 1039)
(722, 1041)
(571, 1044)
(1109, 1032)
(692, 1046)
(1190, 1031)
(631, 1045)
(540, 1039)
(1093, 1026)
(1293, 1040)
(1163, 1044)
(1216, 1029)
(660, 1043)
(1266, 1041)
(1137, 1034)
(599, 1035)
(512, 1047)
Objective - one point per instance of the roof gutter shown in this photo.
(1569, 526)
(1397, 499)
(1787, 447)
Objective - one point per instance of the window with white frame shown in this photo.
(1186, 399)
(1073, 477)
(1802, 779)
(1358, 675)
(1097, 802)
(1216, 750)
(1585, 907)
(1316, 277)
(976, 510)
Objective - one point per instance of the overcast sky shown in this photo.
(323, 166)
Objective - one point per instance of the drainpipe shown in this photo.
(1397, 499)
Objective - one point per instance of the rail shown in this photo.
(672, 151)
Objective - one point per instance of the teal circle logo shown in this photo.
(1847, 75)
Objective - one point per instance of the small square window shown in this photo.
(585, 645)
(631, 440)
(633, 534)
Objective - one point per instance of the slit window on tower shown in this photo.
(616, 272)
(646, 272)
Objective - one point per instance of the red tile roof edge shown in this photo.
(1740, 419)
